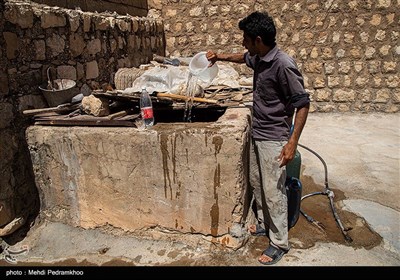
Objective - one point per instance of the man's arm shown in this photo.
(230, 57)
(289, 150)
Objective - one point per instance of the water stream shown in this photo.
(191, 86)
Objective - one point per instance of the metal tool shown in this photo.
(166, 60)
(73, 105)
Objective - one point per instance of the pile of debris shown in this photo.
(119, 106)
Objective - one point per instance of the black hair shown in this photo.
(259, 24)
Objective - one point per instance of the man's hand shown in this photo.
(230, 57)
(212, 57)
(287, 154)
(289, 150)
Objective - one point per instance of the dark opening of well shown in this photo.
(197, 115)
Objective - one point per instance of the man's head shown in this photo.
(261, 25)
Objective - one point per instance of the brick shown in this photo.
(323, 95)
(376, 19)
(51, 19)
(20, 16)
(365, 95)
(329, 67)
(56, 44)
(384, 50)
(11, 41)
(66, 72)
(377, 82)
(392, 81)
(370, 52)
(389, 67)
(344, 95)
(380, 35)
(358, 66)
(382, 96)
(344, 67)
(92, 70)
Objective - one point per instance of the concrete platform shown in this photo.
(179, 177)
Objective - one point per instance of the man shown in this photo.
(278, 95)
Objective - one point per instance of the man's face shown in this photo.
(249, 44)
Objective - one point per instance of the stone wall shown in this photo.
(122, 7)
(86, 47)
(83, 46)
(348, 51)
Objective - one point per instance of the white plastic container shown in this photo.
(198, 66)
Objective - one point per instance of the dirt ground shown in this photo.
(303, 235)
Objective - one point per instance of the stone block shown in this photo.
(181, 177)
(92, 70)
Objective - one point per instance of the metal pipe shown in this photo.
(330, 195)
(311, 194)
(322, 160)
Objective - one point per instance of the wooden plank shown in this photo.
(117, 114)
(159, 96)
(186, 98)
(81, 120)
(129, 117)
(69, 122)
(60, 109)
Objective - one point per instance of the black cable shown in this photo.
(322, 160)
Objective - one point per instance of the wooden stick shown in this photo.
(59, 108)
(186, 98)
(118, 114)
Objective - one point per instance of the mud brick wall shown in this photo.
(348, 51)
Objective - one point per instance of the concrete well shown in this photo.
(188, 178)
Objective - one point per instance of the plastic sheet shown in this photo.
(174, 79)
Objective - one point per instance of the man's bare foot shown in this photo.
(271, 255)
(264, 259)
(256, 229)
(252, 228)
